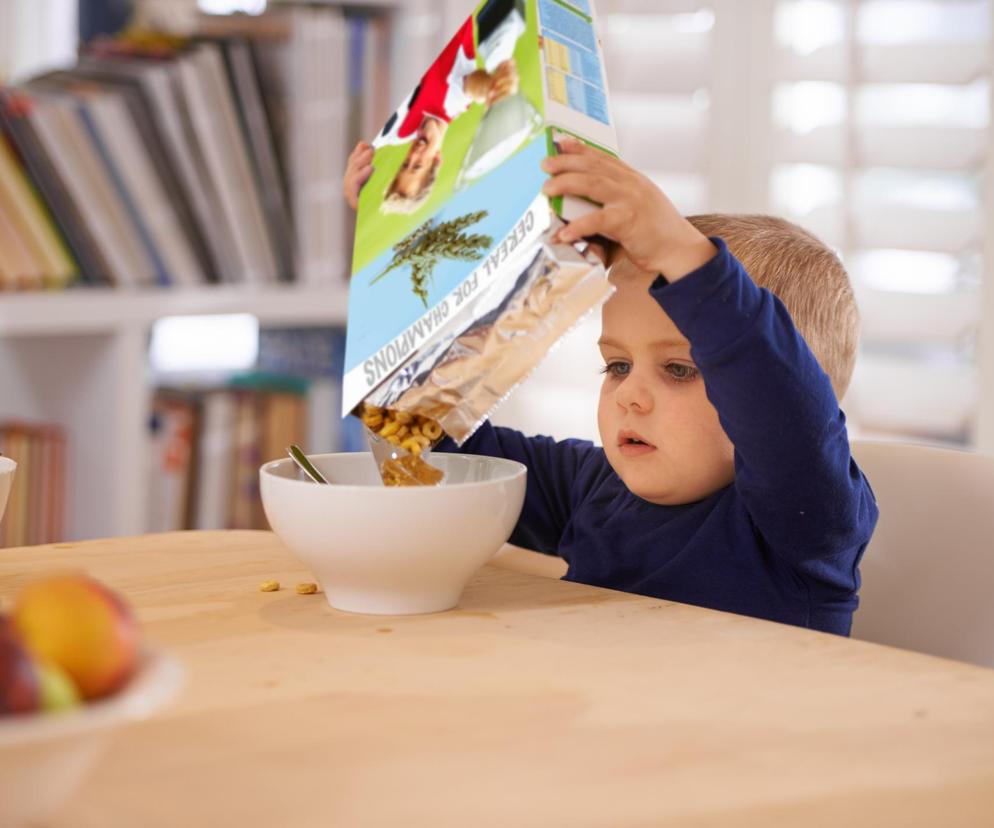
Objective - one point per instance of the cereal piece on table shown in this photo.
(307, 589)
(269, 586)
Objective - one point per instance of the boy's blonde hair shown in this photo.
(805, 275)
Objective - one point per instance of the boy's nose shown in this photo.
(633, 395)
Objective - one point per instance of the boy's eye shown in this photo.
(681, 372)
(617, 369)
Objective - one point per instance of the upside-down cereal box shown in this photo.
(456, 290)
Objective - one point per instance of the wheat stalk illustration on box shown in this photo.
(432, 242)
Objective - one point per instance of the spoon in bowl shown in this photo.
(304, 464)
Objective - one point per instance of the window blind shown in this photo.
(881, 135)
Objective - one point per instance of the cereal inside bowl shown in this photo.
(393, 550)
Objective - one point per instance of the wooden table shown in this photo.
(537, 703)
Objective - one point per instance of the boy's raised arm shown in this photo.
(792, 462)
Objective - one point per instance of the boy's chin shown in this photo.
(644, 484)
(656, 489)
(657, 496)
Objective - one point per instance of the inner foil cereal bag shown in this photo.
(457, 291)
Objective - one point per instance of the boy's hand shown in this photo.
(357, 171)
(635, 212)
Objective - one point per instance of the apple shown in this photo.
(81, 626)
(19, 688)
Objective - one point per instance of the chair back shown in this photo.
(928, 573)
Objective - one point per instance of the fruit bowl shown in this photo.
(393, 550)
(44, 757)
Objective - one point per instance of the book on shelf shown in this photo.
(317, 355)
(215, 472)
(67, 137)
(211, 107)
(15, 116)
(262, 151)
(167, 135)
(35, 512)
(300, 54)
(112, 126)
(163, 161)
(28, 223)
(173, 430)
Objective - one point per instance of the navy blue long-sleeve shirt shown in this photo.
(781, 542)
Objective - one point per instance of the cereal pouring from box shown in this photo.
(400, 442)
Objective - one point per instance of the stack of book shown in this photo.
(36, 508)
(157, 161)
(207, 442)
(206, 448)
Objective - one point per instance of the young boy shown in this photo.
(725, 479)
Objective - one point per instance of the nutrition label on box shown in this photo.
(573, 69)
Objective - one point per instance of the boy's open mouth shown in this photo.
(631, 443)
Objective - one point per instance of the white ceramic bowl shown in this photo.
(7, 468)
(393, 550)
(44, 757)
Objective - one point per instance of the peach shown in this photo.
(78, 624)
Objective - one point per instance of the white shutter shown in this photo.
(881, 119)
(658, 62)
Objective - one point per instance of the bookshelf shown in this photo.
(79, 358)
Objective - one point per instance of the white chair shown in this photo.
(928, 574)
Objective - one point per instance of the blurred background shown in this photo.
(149, 402)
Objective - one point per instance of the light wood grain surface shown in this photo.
(537, 702)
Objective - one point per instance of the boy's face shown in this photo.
(417, 166)
(660, 432)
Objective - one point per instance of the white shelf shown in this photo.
(106, 310)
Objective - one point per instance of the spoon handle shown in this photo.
(305, 465)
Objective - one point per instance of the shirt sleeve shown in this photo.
(553, 469)
(793, 468)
